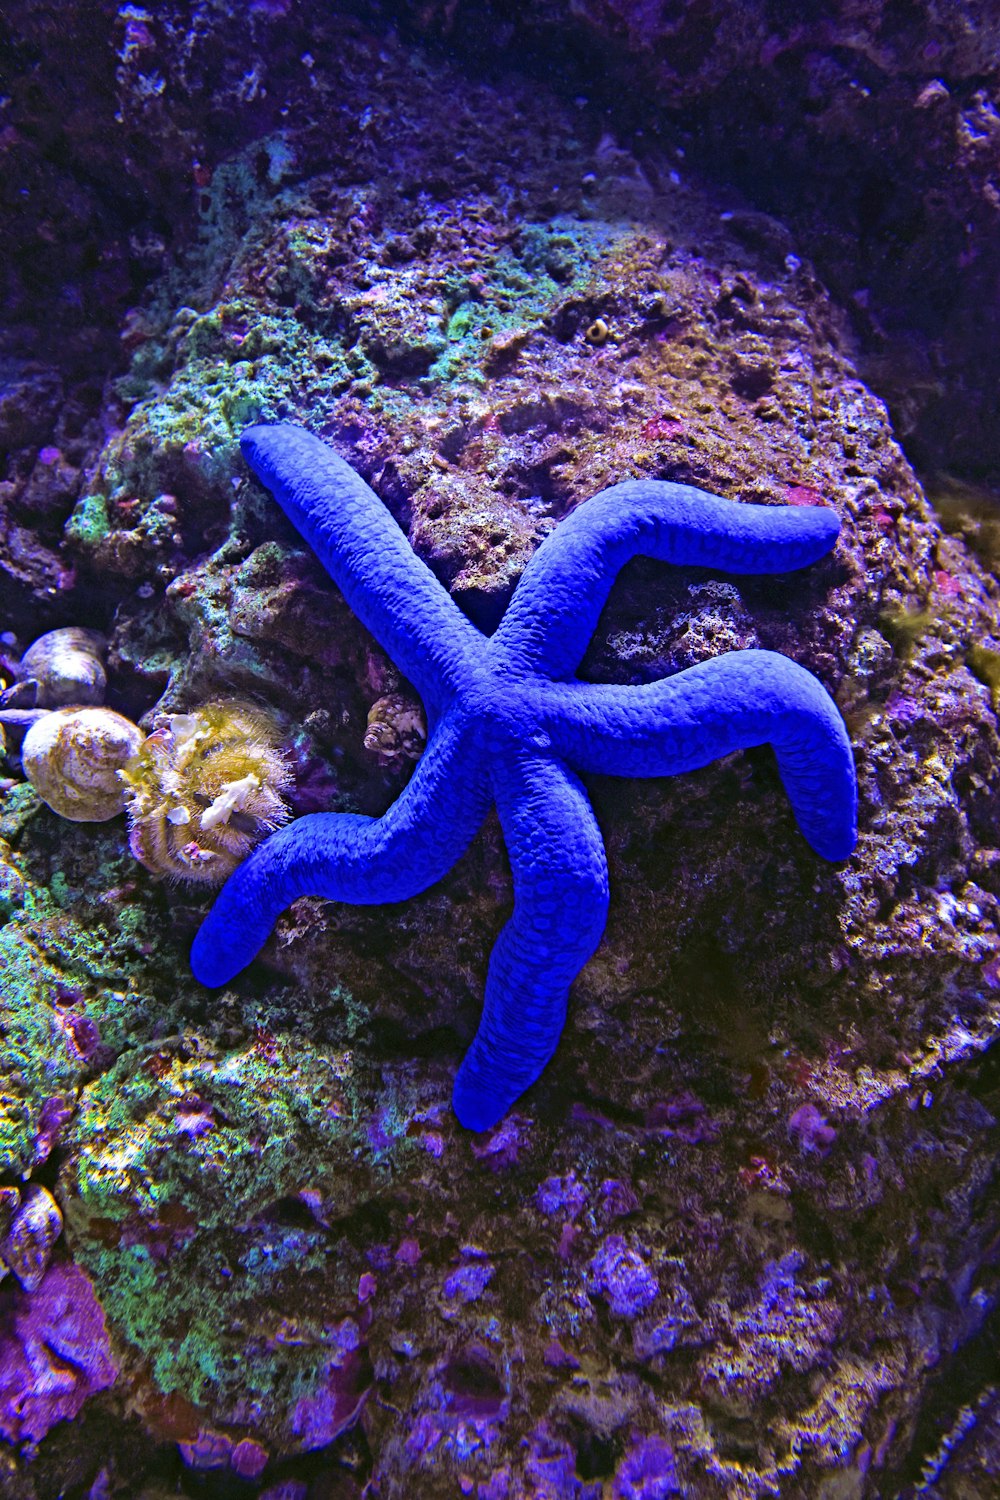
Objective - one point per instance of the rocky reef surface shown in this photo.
(740, 1240)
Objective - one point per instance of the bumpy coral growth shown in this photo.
(204, 788)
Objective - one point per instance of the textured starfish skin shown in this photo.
(509, 722)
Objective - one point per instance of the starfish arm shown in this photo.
(556, 604)
(732, 702)
(560, 908)
(388, 587)
(347, 857)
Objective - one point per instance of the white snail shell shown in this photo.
(27, 1246)
(72, 758)
(68, 666)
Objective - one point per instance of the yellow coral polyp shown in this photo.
(204, 788)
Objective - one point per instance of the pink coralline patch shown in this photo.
(49, 456)
(647, 1472)
(660, 428)
(902, 710)
(585, 1114)
(684, 1116)
(433, 1142)
(312, 1199)
(497, 1487)
(991, 972)
(194, 1118)
(54, 1353)
(367, 1287)
(468, 1283)
(550, 1469)
(811, 1130)
(408, 1253)
(209, 1450)
(380, 1135)
(561, 1195)
(802, 494)
(85, 1034)
(616, 1199)
(342, 1390)
(248, 1459)
(55, 1112)
(947, 583)
(558, 1358)
(503, 1144)
(567, 1239)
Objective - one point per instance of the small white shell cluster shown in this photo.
(30, 1224)
(200, 791)
(74, 747)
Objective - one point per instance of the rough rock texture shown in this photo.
(873, 127)
(740, 1239)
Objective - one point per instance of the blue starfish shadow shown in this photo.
(508, 721)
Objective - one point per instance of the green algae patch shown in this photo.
(84, 972)
(202, 1190)
(551, 264)
(904, 628)
(69, 997)
(89, 524)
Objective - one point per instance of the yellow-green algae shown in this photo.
(74, 976)
(244, 356)
(202, 1179)
(194, 1169)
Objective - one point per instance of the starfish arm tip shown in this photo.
(476, 1109)
(224, 945)
(210, 964)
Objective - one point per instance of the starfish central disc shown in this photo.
(510, 723)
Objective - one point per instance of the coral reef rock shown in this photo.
(740, 1239)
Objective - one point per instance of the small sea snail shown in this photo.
(72, 757)
(36, 1224)
(396, 731)
(66, 666)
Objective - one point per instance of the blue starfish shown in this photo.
(509, 721)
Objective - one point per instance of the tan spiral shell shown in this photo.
(72, 758)
(68, 666)
(27, 1246)
(396, 731)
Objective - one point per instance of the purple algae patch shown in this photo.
(561, 1195)
(807, 1126)
(469, 1282)
(550, 1468)
(54, 1353)
(497, 1487)
(647, 1472)
(616, 1199)
(209, 1450)
(623, 1277)
(343, 1388)
(248, 1459)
